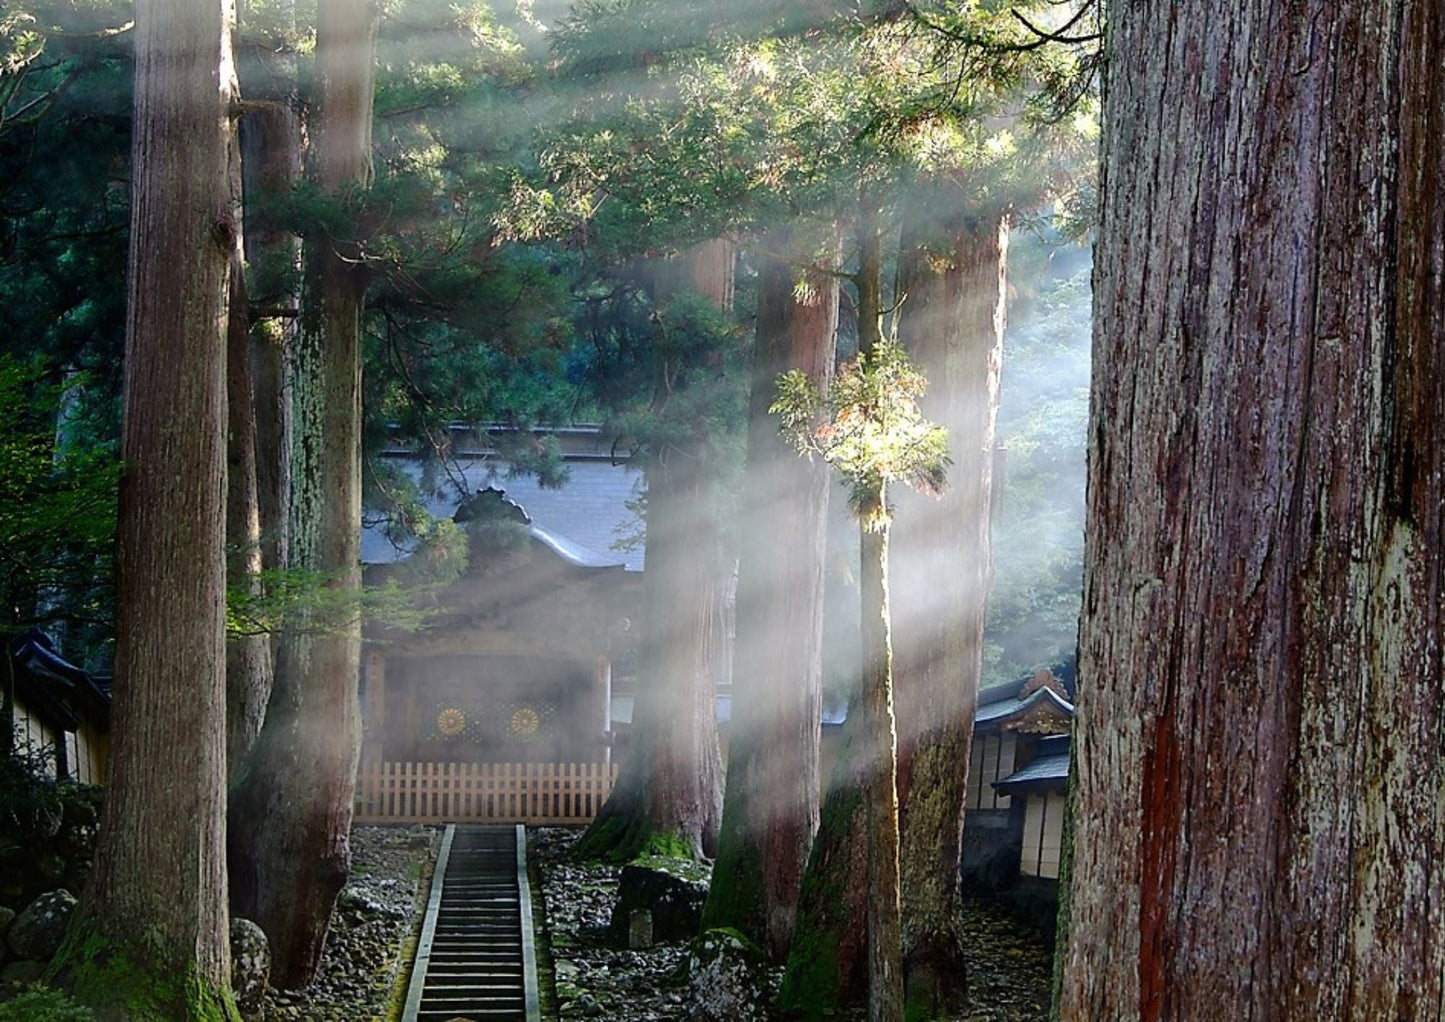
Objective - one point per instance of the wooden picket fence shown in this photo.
(462, 792)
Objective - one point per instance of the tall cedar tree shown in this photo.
(878, 742)
(271, 133)
(875, 434)
(151, 938)
(951, 317)
(668, 797)
(293, 857)
(248, 656)
(267, 166)
(1260, 830)
(770, 806)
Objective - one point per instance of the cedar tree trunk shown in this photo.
(668, 796)
(669, 792)
(293, 856)
(951, 323)
(248, 656)
(150, 939)
(770, 807)
(879, 745)
(826, 972)
(271, 165)
(1260, 829)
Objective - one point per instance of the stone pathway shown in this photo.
(381, 910)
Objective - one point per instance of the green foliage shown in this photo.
(39, 1004)
(868, 426)
(57, 508)
(1038, 535)
(703, 119)
(669, 374)
(670, 380)
(462, 324)
(30, 802)
(298, 601)
(64, 143)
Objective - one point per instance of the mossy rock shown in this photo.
(727, 978)
(673, 891)
(687, 869)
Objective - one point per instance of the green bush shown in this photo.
(41, 1005)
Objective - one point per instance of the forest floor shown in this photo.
(372, 938)
(594, 979)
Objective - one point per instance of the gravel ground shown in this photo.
(376, 921)
(380, 914)
(1010, 977)
(594, 979)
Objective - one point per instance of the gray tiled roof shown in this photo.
(1003, 709)
(1044, 773)
(581, 521)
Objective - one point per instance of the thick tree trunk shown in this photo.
(151, 938)
(271, 165)
(827, 972)
(850, 906)
(1260, 829)
(668, 796)
(770, 809)
(951, 322)
(293, 858)
(248, 656)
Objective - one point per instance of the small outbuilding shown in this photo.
(1017, 782)
(61, 713)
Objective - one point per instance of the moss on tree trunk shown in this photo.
(149, 938)
(825, 970)
(770, 809)
(951, 322)
(290, 852)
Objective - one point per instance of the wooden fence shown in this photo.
(502, 792)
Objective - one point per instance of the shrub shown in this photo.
(39, 1004)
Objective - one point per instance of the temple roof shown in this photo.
(1040, 708)
(61, 694)
(581, 521)
(1048, 772)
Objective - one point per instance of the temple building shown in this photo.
(1017, 784)
(501, 705)
(61, 713)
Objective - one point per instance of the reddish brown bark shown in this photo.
(951, 279)
(1260, 830)
(154, 911)
(668, 795)
(770, 808)
(290, 855)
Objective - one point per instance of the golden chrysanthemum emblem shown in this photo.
(525, 721)
(451, 722)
